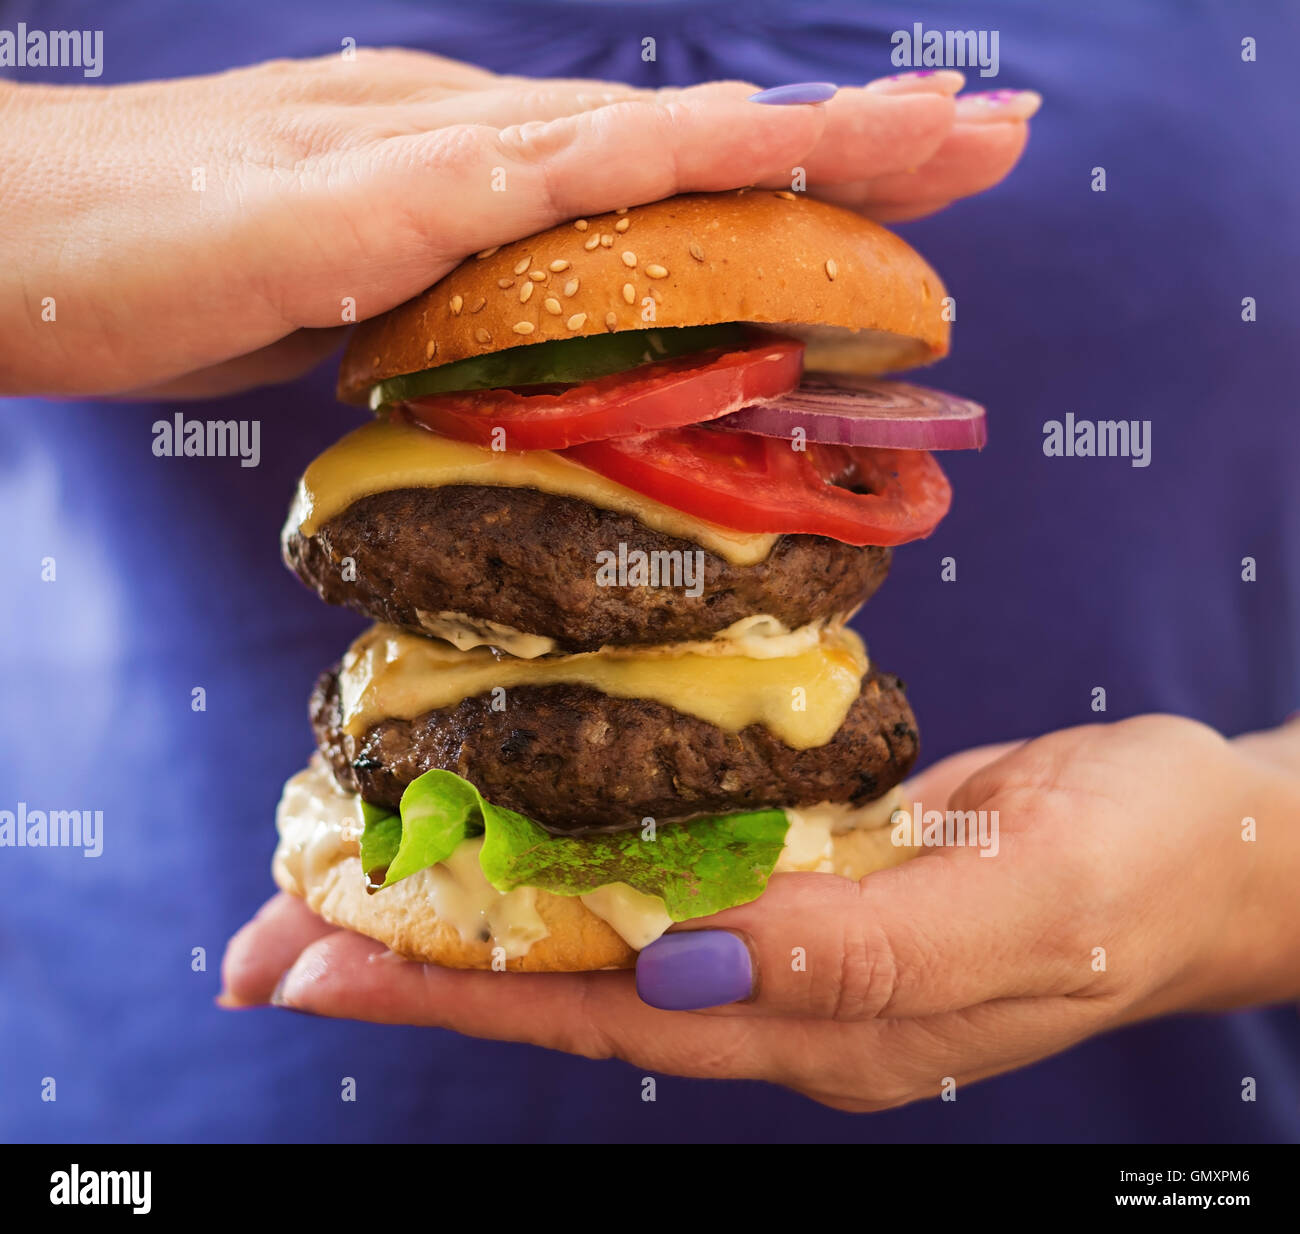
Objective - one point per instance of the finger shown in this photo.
(597, 1015)
(972, 158)
(261, 952)
(936, 784)
(524, 101)
(869, 134)
(1279, 746)
(890, 1063)
(947, 930)
(284, 360)
(866, 134)
(545, 173)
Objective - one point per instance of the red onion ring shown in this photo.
(846, 410)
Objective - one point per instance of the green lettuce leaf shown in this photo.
(696, 868)
(563, 361)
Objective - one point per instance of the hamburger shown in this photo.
(625, 484)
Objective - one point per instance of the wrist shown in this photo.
(1258, 951)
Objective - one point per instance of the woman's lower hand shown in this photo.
(1140, 868)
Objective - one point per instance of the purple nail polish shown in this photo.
(799, 92)
(694, 969)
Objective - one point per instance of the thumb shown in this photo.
(935, 934)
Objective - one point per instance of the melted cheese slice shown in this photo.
(801, 699)
(388, 455)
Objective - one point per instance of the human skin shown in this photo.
(367, 180)
(1129, 837)
(341, 182)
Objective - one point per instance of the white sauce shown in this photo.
(319, 825)
(463, 632)
(760, 637)
(810, 842)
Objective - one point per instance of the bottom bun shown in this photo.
(402, 917)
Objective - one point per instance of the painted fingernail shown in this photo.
(923, 81)
(799, 92)
(997, 106)
(694, 969)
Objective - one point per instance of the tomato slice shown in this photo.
(661, 395)
(752, 483)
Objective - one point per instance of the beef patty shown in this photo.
(527, 559)
(574, 759)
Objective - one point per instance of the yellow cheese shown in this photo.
(387, 455)
(801, 699)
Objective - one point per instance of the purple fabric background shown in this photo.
(1072, 573)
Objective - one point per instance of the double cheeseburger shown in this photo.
(626, 482)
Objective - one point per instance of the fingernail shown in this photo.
(799, 92)
(694, 969)
(997, 106)
(923, 81)
(278, 998)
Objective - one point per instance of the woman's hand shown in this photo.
(200, 236)
(1127, 882)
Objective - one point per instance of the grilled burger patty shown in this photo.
(574, 759)
(528, 560)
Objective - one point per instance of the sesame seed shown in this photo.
(592, 243)
(552, 305)
(576, 321)
(521, 266)
(610, 321)
(431, 349)
(504, 283)
(524, 292)
(629, 259)
(523, 327)
(657, 272)
(695, 251)
(538, 276)
(787, 195)
(570, 287)
(581, 224)
(629, 293)
(559, 264)
(457, 303)
(374, 361)
(831, 269)
(621, 210)
(478, 304)
(482, 335)
(622, 224)
(606, 241)
(487, 252)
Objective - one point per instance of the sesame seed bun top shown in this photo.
(862, 299)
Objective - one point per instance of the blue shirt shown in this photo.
(1072, 573)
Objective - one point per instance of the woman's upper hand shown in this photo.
(204, 235)
(1126, 881)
